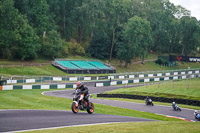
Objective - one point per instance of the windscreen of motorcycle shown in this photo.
(198, 116)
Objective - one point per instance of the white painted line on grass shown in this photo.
(49, 128)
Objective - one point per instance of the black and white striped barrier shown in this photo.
(146, 80)
(125, 76)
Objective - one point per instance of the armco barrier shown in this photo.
(146, 80)
(136, 75)
(157, 99)
(50, 86)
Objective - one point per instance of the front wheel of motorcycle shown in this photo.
(75, 108)
(179, 109)
(90, 109)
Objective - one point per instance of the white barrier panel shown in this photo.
(182, 73)
(141, 76)
(99, 84)
(121, 77)
(27, 87)
(184, 77)
(74, 85)
(175, 73)
(156, 79)
(87, 78)
(190, 72)
(61, 86)
(110, 77)
(150, 75)
(146, 80)
(11, 81)
(192, 76)
(125, 82)
(167, 74)
(176, 77)
(30, 80)
(196, 71)
(166, 78)
(72, 78)
(97, 78)
(113, 83)
(45, 87)
(136, 81)
(159, 74)
(7, 87)
(131, 76)
(57, 78)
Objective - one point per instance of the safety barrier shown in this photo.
(137, 75)
(146, 80)
(28, 87)
(158, 99)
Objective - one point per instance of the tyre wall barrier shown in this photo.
(157, 99)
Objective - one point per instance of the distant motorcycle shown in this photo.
(149, 102)
(176, 107)
(80, 103)
(197, 115)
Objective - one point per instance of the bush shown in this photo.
(162, 62)
(76, 49)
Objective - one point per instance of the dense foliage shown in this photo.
(122, 29)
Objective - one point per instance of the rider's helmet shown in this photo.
(173, 103)
(79, 84)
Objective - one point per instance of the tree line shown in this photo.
(122, 29)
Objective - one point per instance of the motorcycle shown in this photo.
(80, 103)
(197, 116)
(149, 102)
(176, 108)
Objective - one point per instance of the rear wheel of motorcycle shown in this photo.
(90, 110)
(75, 108)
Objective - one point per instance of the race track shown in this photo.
(158, 109)
(20, 120)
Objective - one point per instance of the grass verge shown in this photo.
(184, 89)
(48, 70)
(136, 127)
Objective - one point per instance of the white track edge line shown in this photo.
(66, 126)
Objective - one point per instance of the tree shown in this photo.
(189, 35)
(100, 44)
(136, 38)
(37, 12)
(18, 39)
(27, 43)
(52, 46)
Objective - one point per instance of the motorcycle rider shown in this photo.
(147, 99)
(196, 113)
(84, 90)
(174, 105)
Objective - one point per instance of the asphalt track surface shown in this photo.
(20, 120)
(158, 109)
(24, 120)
